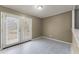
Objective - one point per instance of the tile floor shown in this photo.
(39, 46)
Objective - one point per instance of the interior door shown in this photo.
(11, 28)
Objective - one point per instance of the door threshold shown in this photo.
(16, 44)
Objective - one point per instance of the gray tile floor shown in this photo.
(39, 46)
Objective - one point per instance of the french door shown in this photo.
(26, 29)
(10, 29)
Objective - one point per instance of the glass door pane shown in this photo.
(12, 30)
(26, 29)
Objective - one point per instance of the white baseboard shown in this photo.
(50, 39)
(56, 40)
(37, 38)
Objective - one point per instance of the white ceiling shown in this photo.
(48, 10)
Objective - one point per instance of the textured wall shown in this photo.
(58, 27)
(0, 31)
(77, 19)
(36, 27)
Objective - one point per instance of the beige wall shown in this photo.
(35, 21)
(36, 27)
(58, 27)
